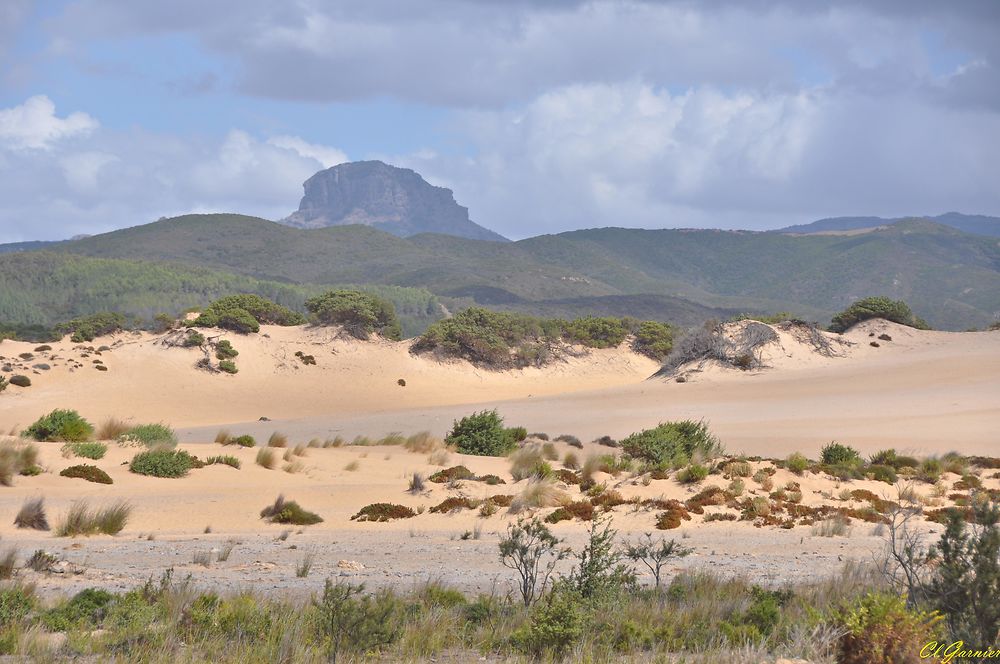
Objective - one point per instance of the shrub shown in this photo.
(92, 450)
(570, 440)
(86, 328)
(267, 458)
(383, 512)
(85, 610)
(226, 460)
(87, 472)
(595, 332)
(881, 473)
(672, 443)
(350, 621)
(532, 551)
(32, 515)
(20, 380)
(447, 475)
(571, 461)
(876, 307)
(599, 572)
(797, 463)
(654, 555)
(111, 428)
(654, 340)
(60, 425)
(529, 462)
(481, 434)
(162, 462)
(486, 338)
(882, 630)
(193, 338)
(836, 454)
(277, 439)
(81, 520)
(289, 512)
(360, 314)
(245, 313)
(539, 493)
(224, 350)
(692, 474)
(245, 440)
(149, 435)
(228, 366)
(554, 625)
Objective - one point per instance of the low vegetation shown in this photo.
(60, 426)
(87, 472)
(506, 340)
(32, 515)
(17, 459)
(149, 435)
(360, 314)
(672, 444)
(90, 450)
(896, 311)
(162, 462)
(82, 520)
(245, 313)
(483, 434)
(383, 512)
(87, 328)
(289, 512)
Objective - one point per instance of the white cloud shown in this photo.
(82, 169)
(323, 154)
(35, 125)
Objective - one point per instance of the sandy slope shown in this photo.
(922, 391)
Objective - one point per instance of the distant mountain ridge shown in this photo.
(950, 278)
(977, 224)
(391, 199)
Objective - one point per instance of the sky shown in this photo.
(541, 116)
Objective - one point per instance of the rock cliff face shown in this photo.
(395, 200)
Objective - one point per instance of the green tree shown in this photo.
(896, 311)
(360, 314)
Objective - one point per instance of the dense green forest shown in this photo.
(46, 288)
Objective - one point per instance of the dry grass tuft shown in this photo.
(32, 515)
(267, 458)
(223, 437)
(277, 439)
(352, 466)
(81, 520)
(111, 429)
(539, 493)
(423, 443)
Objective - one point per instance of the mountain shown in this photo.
(391, 199)
(976, 224)
(950, 278)
(26, 246)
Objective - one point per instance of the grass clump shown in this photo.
(162, 462)
(539, 493)
(87, 472)
(529, 462)
(797, 463)
(482, 434)
(82, 520)
(149, 435)
(245, 440)
(32, 515)
(91, 450)
(277, 439)
(267, 458)
(17, 459)
(226, 460)
(62, 426)
(673, 443)
(383, 512)
(289, 512)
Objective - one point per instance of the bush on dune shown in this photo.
(895, 311)
(482, 434)
(245, 313)
(673, 443)
(162, 462)
(92, 450)
(360, 314)
(86, 328)
(87, 472)
(149, 435)
(289, 512)
(60, 426)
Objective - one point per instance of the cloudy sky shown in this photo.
(542, 116)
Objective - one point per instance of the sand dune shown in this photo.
(922, 391)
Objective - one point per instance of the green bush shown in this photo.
(60, 425)
(228, 366)
(224, 350)
(594, 332)
(672, 443)
(87, 472)
(149, 435)
(245, 313)
(797, 463)
(836, 454)
(882, 473)
(282, 511)
(654, 339)
(245, 440)
(555, 624)
(20, 380)
(85, 610)
(880, 629)
(482, 434)
(193, 338)
(86, 328)
(93, 450)
(360, 314)
(16, 601)
(162, 462)
(692, 474)
(896, 311)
